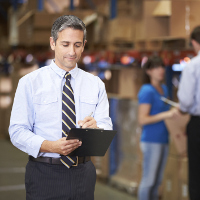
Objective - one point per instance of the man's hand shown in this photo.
(61, 146)
(173, 113)
(88, 122)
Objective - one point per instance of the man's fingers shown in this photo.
(72, 144)
(86, 119)
(72, 141)
(68, 151)
(80, 122)
(89, 124)
(70, 147)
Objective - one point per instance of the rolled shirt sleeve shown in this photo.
(187, 89)
(102, 109)
(22, 120)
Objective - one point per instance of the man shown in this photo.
(48, 103)
(189, 98)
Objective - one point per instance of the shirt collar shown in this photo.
(74, 72)
(199, 52)
(62, 72)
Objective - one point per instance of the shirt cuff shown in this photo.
(183, 109)
(34, 148)
(105, 127)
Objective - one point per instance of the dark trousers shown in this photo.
(57, 182)
(193, 132)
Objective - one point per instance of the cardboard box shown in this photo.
(178, 138)
(5, 111)
(125, 7)
(5, 104)
(185, 17)
(25, 32)
(139, 171)
(41, 37)
(5, 84)
(121, 28)
(20, 70)
(171, 179)
(43, 20)
(57, 6)
(126, 177)
(183, 177)
(149, 26)
(125, 82)
(102, 165)
(32, 5)
(175, 183)
(35, 27)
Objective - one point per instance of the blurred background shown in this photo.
(121, 34)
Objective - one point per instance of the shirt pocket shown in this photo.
(46, 107)
(87, 106)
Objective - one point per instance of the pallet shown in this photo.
(123, 184)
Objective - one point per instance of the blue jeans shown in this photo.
(154, 160)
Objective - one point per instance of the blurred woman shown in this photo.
(154, 139)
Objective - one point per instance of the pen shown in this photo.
(88, 116)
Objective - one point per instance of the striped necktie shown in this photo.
(68, 117)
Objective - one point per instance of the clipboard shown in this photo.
(95, 142)
(172, 103)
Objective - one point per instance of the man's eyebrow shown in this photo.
(78, 42)
(64, 42)
(69, 42)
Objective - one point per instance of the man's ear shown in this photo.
(193, 42)
(84, 45)
(52, 43)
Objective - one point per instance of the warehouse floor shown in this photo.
(12, 169)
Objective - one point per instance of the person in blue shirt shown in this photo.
(37, 118)
(152, 112)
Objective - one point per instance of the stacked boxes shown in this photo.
(5, 104)
(185, 17)
(183, 179)
(126, 175)
(125, 82)
(121, 165)
(149, 26)
(175, 182)
(102, 166)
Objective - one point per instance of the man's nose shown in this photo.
(72, 50)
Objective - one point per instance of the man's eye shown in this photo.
(78, 45)
(65, 45)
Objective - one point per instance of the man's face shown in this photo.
(68, 48)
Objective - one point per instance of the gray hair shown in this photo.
(67, 21)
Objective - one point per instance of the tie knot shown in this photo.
(68, 76)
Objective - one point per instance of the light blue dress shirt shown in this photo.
(37, 109)
(189, 87)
